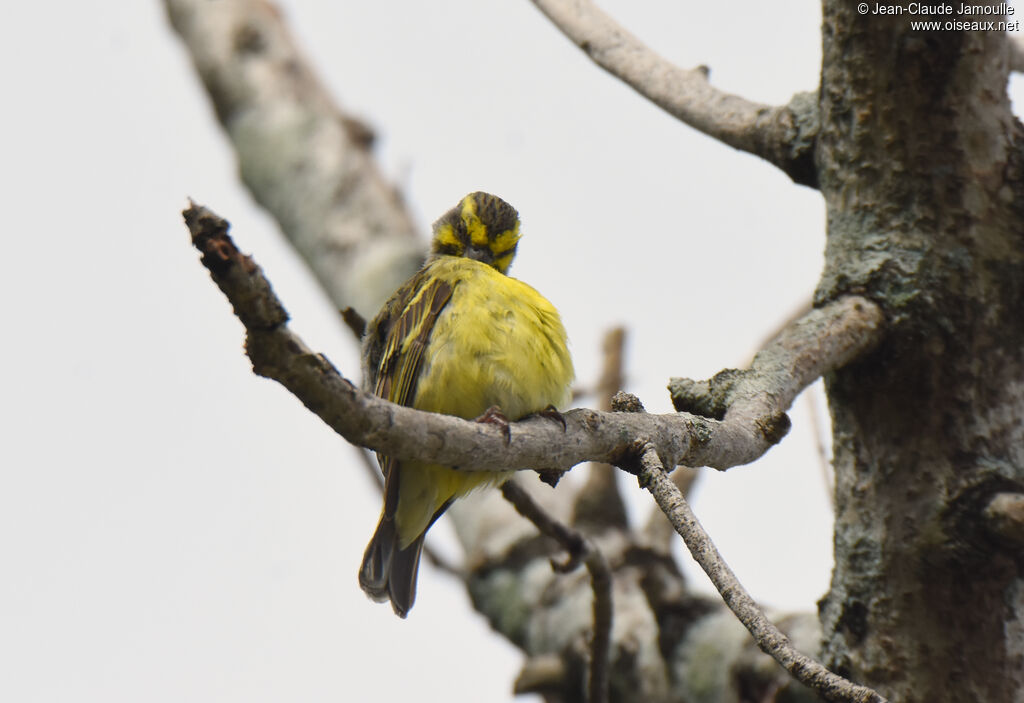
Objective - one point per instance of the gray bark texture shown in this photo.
(919, 162)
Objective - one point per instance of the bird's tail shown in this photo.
(389, 573)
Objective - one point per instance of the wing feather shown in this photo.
(401, 358)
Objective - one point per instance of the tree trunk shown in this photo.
(919, 163)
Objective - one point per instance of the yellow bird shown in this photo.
(462, 338)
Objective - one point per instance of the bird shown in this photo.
(461, 337)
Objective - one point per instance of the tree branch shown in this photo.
(579, 549)
(832, 687)
(822, 341)
(303, 159)
(783, 136)
(599, 503)
(814, 344)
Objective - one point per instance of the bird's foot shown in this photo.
(494, 416)
(551, 413)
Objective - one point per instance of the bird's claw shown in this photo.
(494, 416)
(551, 413)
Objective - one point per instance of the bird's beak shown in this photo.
(481, 254)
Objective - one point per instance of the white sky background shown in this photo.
(174, 528)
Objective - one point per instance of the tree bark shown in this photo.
(920, 166)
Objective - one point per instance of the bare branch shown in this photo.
(307, 162)
(657, 531)
(794, 315)
(599, 502)
(540, 673)
(824, 457)
(579, 549)
(355, 322)
(824, 340)
(612, 381)
(783, 136)
(768, 637)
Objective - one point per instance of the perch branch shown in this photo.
(809, 672)
(783, 136)
(579, 549)
(302, 158)
(826, 339)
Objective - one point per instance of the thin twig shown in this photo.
(658, 531)
(599, 502)
(580, 549)
(612, 378)
(784, 136)
(355, 322)
(824, 460)
(809, 672)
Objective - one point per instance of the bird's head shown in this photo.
(482, 227)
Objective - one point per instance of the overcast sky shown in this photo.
(173, 528)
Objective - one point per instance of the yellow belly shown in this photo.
(497, 342)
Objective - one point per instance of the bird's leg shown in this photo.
(494, 416)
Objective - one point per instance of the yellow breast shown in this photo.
(497, 342)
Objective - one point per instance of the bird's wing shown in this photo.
(402, 358)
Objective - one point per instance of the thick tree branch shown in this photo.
(307, 162)
(825, 339)
(579, 549)
(832, 687)
(783, 136)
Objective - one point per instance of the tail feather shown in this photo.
(405, 565)
(376, 567)
(389, 573)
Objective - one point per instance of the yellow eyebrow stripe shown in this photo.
(445, 236)
(506, 240)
